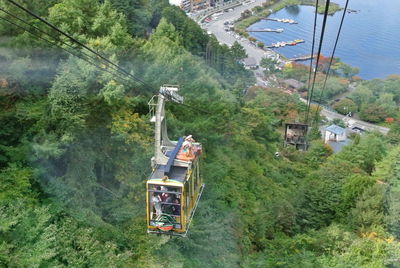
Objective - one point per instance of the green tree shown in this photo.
(334, 86)
(345, 106)
(194, 38)
(320, 195)
(366, 153)
(388, 172)
(318, 153)
(238, 51)
(362, 95)
(138, 14)
(270, 65)
(352, 189)
(100, 25)
(346, 70)
(369, 209)
(339, 122)
(373, 113)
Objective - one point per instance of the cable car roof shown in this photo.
(177, 174)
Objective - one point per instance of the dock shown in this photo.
(352, 11)
(290, 21)
(265, 30)
(302, 58)
(283, 44)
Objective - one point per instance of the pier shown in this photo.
(265, 30)
(352, 11)
(283, 44)
(302, 58)
(290, 21)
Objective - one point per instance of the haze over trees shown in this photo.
(76, 143)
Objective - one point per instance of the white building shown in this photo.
(335, 133)
(175, 2)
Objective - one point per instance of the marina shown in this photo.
(374, 50)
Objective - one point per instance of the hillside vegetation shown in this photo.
(76, 143)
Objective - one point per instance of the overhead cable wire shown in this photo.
(196, 109)
(312, 51)
(79, 43)
(54, 44)
(99, 67)
(53, 37)
(331, 60)
(318, 57)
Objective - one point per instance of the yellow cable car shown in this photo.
(175, 186)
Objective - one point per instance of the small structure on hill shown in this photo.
(250, 63)
(335, 133)
(293, 84)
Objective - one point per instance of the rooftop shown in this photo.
(177, 174)
(293, 83)
(250, 61)
(335, 129)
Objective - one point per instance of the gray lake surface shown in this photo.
(370, 38)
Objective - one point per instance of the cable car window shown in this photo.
(164, 201)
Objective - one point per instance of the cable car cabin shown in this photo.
(173, 198)
(175, 186)
(296, 135)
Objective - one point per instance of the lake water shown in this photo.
(369, 40)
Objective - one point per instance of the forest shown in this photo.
(76, 143)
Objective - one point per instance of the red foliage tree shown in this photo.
(389, 120)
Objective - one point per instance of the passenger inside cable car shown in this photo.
(165, 202)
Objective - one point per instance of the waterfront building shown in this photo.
(250, 63)
(192, 5)
(185, 5)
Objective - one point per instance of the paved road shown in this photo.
(330, 115)
(355, 122)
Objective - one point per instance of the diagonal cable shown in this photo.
(54, 44)
(318, 57)
(312, 53)
(330, 62)
(79, 43)
(53, 37)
